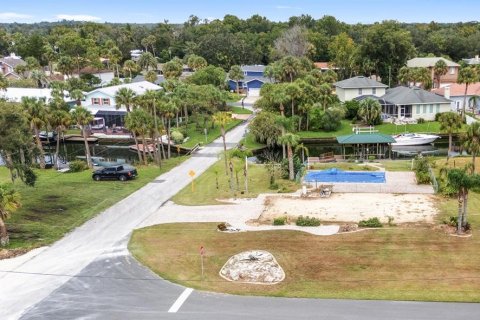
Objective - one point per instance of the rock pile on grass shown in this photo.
(256, 266)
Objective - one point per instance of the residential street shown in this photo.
(25, 285)
(89, 274)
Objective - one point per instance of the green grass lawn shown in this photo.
(250, 143)
(396, 264)
(60, 202)
(386, 128)
(198, 135)
(240, 110)
(206, 191)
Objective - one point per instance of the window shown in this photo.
(374, 90)
(96, 101)
(418, 109)
(424, 108)
(360, 91)
(431, 108)
(106, 101)
(452, 70)
(437, 108)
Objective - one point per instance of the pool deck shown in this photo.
(396, 182)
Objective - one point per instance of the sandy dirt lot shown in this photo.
(353, 207)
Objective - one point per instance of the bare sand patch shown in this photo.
(353, 207)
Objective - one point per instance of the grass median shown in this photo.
(60, 202)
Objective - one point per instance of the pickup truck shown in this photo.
(121, 173)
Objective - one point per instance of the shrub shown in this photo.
(421, 170)
(280, 221)
(273, 186)
(438, 115)
(177, 137)
(420, 120)
(307, 221)
(370, 223)
(78, 166)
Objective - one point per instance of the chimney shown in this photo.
(446, 94)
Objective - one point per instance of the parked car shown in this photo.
(121, 173)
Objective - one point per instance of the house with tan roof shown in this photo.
(8, 64)
(456, 93)
(429, 63)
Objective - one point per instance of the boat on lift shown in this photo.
(414, 139)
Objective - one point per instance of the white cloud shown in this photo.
(77, 17)
(13, 16)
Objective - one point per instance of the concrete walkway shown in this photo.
(236, 214)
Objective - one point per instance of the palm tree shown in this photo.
(77, 95)
(236, 74)
(147, 60)
(471, 141)
(141, 122)
(60, 120)
(423, 76)
(130, 67)
(466, 75)
(151, 76)
(168, 111)
(462, 182)
(450, 122)
(473, 102)
(125, 97)
(303, 150)
(291, 140)
(9, 202)
(369, 110)
(39, 77)
(405, 75)
(82, 117)
(36, 114)
(222, 119)
(294, 92)
(326, 95)
(439, 69)
(134, 124)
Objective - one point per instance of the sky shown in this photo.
(178, 11)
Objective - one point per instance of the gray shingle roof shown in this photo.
(359, 82)
(404, 95)
(429, 62)
(13, 62)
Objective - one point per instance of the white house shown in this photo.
(101, 102)
(355, 87)
(413, 103)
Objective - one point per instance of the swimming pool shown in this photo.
(337, 175)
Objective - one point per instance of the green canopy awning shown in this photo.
(365, 138)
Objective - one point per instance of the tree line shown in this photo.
(380, 48)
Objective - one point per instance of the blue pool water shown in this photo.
(336, 175)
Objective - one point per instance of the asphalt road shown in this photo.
(116, 286)
(21, 287)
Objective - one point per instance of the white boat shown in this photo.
(413, 139)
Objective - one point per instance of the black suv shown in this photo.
(115, 173)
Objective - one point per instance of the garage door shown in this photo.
(254, 92)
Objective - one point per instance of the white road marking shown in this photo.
(180, 300)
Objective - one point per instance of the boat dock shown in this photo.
(79, 138)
